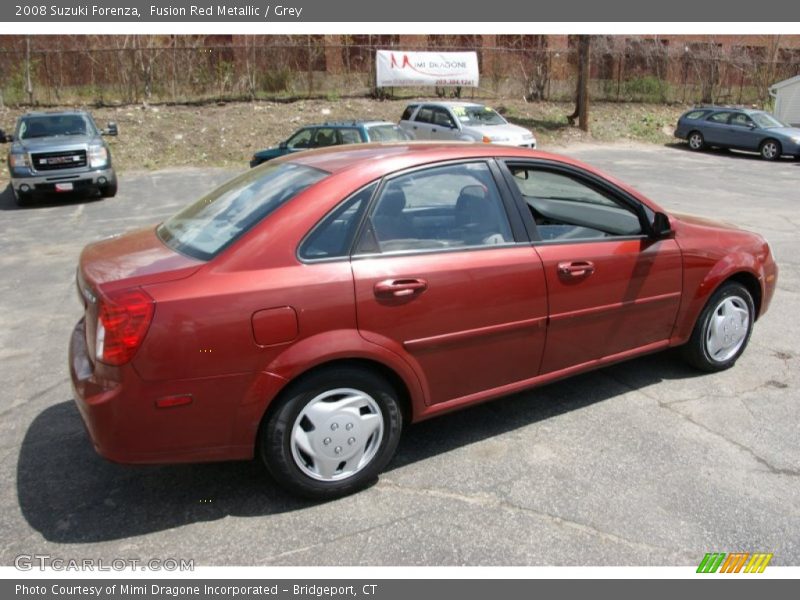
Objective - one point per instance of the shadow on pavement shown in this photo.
(734, 154)
(71, 495)
(7, 201)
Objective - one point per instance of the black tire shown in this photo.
(23, 199)
(293, 469)
(698, 350)
(770, 149)
(696, 141)
(109, 190)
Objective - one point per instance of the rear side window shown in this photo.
(720, 117)
(203, 229)
(386, 133)
(350, 136)
(408, 112)
(695, 114)
(453, 206)
(333, 237)
(425, 115)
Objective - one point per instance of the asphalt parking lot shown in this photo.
(643, 463)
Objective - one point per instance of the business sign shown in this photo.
(397, 68)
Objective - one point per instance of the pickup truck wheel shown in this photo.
(23, 198)
(332, 434)
(109, 190)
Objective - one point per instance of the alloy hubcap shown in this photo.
(337, 434)
(770, 150)
(695, 141)
(727, 329)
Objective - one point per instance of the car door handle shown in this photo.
(400, 288)
(579, 268)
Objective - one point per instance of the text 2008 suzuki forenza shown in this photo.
(305, 310)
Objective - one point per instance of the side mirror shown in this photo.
(282, 146)
(660, 227)
(111, 129)
(751, 125)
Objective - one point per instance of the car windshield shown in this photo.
(478, 115)
(766, 120)
(205, 228)
(52, 125)
(386, 133)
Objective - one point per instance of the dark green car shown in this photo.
(332, 134)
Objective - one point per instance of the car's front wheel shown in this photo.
(696, 141)
(109, 190)
(770, 150)
(333, 433)
(723, 329)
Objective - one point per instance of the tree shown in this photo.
(582, 91)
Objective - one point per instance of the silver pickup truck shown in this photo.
(59, 152)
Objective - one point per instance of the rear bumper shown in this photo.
(125, 425)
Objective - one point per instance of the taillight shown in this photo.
(122, 322)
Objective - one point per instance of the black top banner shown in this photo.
(466, 11)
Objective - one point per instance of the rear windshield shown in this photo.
(205, 228)
(386, 133)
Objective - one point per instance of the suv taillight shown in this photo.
(122, 322)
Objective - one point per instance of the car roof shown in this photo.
(408, 154)
(54, 113)
(352, 123)
(445, 103)
(741, 109)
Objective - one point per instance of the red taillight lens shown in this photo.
(122, 322)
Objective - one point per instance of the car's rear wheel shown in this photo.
(770, 150)
(696, 141)
(333, 432)
(723, 329)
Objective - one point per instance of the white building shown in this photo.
(787, 100)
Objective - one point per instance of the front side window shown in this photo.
(442, 118)
(206, 227)
(565, 207)
(453, 206)
(741, 120)
(300, 140)
(326, 136)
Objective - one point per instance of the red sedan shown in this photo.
(306, 310)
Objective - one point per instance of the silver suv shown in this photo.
(59, 152)
(464, 121)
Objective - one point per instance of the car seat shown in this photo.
(389, 221)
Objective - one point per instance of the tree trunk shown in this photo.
(582, 92)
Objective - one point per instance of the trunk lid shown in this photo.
(131, 260)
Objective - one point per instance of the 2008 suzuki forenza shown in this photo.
(306, 310)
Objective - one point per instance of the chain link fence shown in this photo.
(64, 70)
